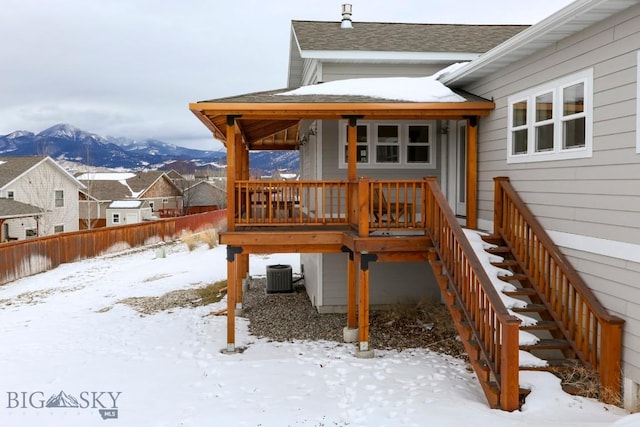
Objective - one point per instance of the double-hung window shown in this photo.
(59, 198)
(552, 121)
(391, 144)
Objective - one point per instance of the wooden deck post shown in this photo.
(364, 351)
(609, 368)
(498, 203)
(363, 207)
(352, 286)
(510, 367)
(231, 173)
(472, 172)
(352, 148)
(232, 279)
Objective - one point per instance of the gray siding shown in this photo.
(596, 197)
(390, 283)
(341, 71)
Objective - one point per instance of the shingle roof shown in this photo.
(270, 96)
(12, 209)
(107, 190)
(398, 37)
(143, 180)
(12, 167)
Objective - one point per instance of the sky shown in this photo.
(130, 68)
(67, 333)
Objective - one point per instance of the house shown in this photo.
(534, 140)
(37, 198)
(203, 196)
(163, 196)
(125, 212)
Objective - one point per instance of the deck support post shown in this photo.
(350, 332)
(352, 147)
(472, 172)
(232, 287)
(364, 351)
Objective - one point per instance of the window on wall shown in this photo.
(115, 218)
(392, 144)
(58, 229)
(30, 233)
(553, 121)
(59, 198)
(10, 194)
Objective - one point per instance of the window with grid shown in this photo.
(552, 122)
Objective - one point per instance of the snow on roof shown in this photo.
(106, 176)
(413, 89)
(125, 204)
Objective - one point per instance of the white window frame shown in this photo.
(33, 230)
(11, 195)
(372, 144)
(558, 152)
(115, 218)
(56, 226)
(55, 199)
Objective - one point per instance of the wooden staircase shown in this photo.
(573, 330)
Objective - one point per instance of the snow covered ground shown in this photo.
(64, 339)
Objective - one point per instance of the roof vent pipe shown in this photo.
(346, 16)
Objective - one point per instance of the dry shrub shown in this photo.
(191, 240)
(210, 237)
(585, 382)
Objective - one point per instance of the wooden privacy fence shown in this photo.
(491, 332)
(596, 336)
(27, 257)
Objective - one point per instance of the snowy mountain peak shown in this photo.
(64, 130)
(18, 134)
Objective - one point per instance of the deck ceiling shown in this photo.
(274, 125)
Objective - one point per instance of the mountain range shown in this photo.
(66, 142)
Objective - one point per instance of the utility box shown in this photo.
(279, 278)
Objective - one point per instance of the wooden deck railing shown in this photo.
(492, 328)
(273, 203)
(596, 336)
(365, 205)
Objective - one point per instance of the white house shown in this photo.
(39, 182)
(125, 212)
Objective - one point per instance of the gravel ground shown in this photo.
(290, 316)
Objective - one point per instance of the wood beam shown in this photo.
(472, 173)
(232, 279)
(282, 238)
(352, 289)
(352, 148)
(231, 173)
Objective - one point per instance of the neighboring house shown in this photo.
(554, 107)
(41, 197)
(204, 196)
(126, 212)
(163, 196)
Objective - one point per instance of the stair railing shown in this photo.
(595, 335)
(494, 330)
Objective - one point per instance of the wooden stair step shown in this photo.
(541, 326)
(493, 239)
(526, 292)
(547, 344)
(530, 308)
(506, 263)
(554, 364)
(499, 250)
(514, 278)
